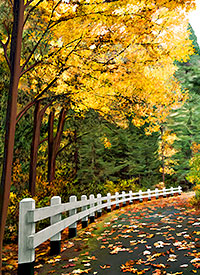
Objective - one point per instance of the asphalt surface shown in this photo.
(156, 237)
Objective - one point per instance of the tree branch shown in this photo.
(38, 62)
(33, 50)
(5, 52)
(28, 3)
(8, 32)
(41, 38)
(30, 68)
(24, 110)
(45, 139)
(30, 104)
(32, 9)
(58, 152)
(59, 132)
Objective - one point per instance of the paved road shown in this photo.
(157, 237)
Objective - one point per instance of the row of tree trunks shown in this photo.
(53, 143)
(13, 57)
(15, 71)
(38, 116)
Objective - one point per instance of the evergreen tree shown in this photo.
(185, 121)
(107, 152)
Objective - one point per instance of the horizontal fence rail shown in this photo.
(83, 210)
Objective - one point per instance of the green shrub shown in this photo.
(121, 185)
(195, 201)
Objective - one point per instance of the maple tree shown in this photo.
(129, 44)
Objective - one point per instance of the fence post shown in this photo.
(99, 202)
(55, 241)
(140, 196)
(26, 256)
(108, 201)
(172, 191)
(85, 219)
(123, 197)
(131, 198)
(116, 199)
(92, 214)
(73, 227)
(164, 192)
(179, 189)
(149, 194)
(156, 193)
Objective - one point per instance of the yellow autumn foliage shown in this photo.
(115, 57)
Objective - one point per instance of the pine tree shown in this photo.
(107, 152)
(185, 121)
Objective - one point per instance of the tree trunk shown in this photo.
(50, 147)
(38, 116)
(15, 55)
(75, 154)
(54, 143)
(162, 152)
(34, 148)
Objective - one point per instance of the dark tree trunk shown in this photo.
(75, 154)
(163, 157)
(50, 147)
(15, 55)
(34, 148)
(54, 142)
(38, 116)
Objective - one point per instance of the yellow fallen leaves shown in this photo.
(128, 267)
(54, 260)
(38, 266)
(105, 266)
(197, 232)
(81, 271)
(172, 258)
(74, 259)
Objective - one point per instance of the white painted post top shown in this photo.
(25, 255)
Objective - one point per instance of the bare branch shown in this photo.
(33, 50)
(27, 107)
(31, 10)
(41, 38)
(28, 3)
(39, 62)
(24, 110)
(47, 87)
(31, 67)
(119, 53)
(30, 104)
(8, 32)
(5, 53)
(63, 148)
(45, 139)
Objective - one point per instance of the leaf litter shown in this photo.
(156, 237)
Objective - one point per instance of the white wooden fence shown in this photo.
(81, 210)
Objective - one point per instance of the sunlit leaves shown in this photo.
(116, 58)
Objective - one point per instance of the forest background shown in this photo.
(74, 135)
